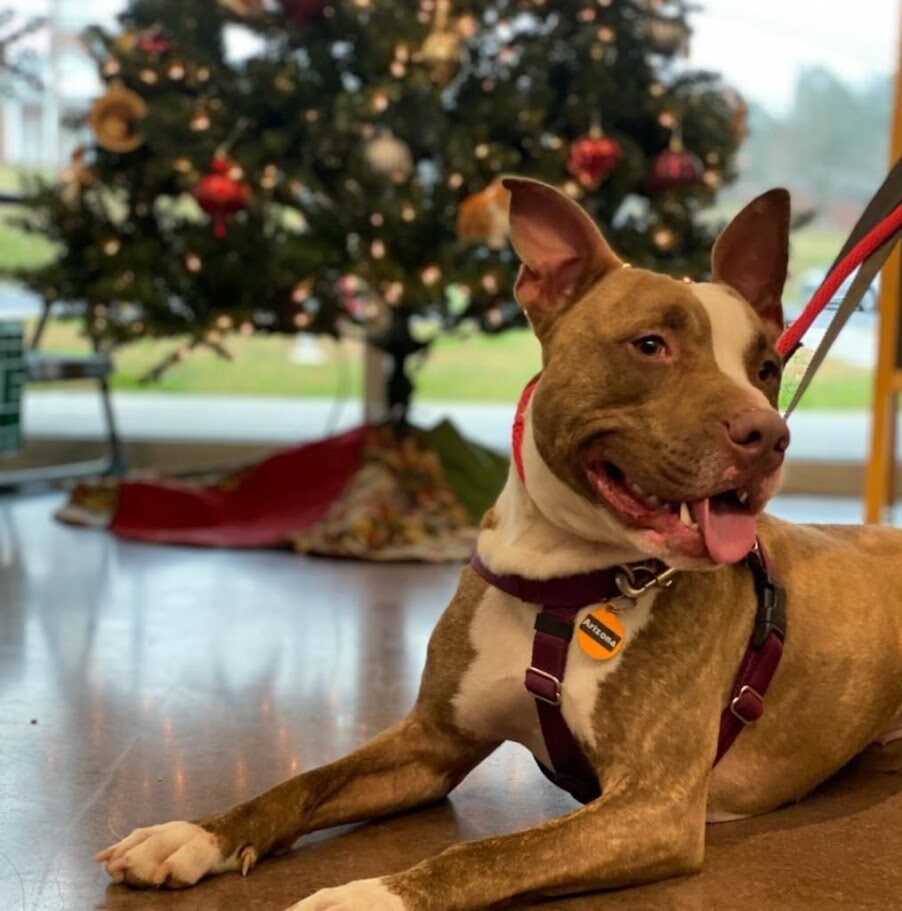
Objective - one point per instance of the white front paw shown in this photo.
(174, 854)
(363, 895)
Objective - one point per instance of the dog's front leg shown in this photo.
(609, 843)
(413, 763)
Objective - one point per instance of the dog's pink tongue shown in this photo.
(727, 526)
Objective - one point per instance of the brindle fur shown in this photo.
(657, 724)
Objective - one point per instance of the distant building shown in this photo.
(32, 130)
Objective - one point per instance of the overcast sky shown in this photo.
(758, 45)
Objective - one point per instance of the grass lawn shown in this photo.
(19, 250)
(475, 369)
(837, 387)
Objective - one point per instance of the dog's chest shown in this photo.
(492, 701)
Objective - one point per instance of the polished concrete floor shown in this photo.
(139, 684)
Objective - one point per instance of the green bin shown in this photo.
(12, 374)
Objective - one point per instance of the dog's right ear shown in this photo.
(561, 249)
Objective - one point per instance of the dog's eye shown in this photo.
(768, 371)
(651, 346)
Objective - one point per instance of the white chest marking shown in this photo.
(493, 702)
(544, 529)
(732, 332)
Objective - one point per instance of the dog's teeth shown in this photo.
(648, 499)
(685, 515)
(742, 496)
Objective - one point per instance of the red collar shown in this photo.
(519, 422)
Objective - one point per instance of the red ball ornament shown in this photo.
(303, 11)
(220, 195)
(674, 168)
(593, 158)
(152, 42)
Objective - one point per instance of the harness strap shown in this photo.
(554, 626)
(565, 591)
(762, 655)
(570, 769)
(746, 703)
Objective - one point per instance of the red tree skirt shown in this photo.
(369, 493)
(280, 496)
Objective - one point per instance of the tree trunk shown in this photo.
(398, 344)
(375, 403)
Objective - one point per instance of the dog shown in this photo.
(652, 434)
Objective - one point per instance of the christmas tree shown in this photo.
(342, 177)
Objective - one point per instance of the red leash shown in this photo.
(875, 238)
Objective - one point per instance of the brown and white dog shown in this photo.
(652, 433)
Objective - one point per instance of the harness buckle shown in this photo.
(748, 705)
(555, 698)
(771, 614)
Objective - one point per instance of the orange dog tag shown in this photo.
(600, 635)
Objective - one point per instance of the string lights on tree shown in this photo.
(365, 189)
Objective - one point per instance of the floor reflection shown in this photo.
(141, 683)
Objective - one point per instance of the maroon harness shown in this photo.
(562, 598)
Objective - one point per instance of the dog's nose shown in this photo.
(759, 435)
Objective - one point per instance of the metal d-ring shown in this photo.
(626, 580)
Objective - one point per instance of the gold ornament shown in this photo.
(441, 49)
(244, 8)
(114, 118)
(126, 41)
(75, 178)
(483, 217)
(389, 156)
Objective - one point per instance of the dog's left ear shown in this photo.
(562, 251)
(752, 253)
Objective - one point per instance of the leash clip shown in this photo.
(627, 579)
